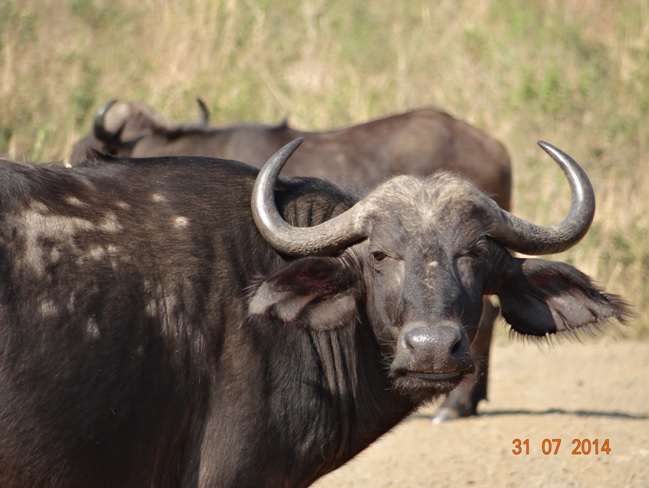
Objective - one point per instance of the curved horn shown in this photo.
(99, 125)
(522, 236)
(205, 113)
(326, 238)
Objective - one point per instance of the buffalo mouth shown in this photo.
(451, 375)
(429, 384)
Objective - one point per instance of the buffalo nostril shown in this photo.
(449, 340)
(456, 348)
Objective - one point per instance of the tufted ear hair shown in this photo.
(540, 297)
(312, 292)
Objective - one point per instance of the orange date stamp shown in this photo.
(552, 447)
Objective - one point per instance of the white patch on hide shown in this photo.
(92, 328)
(180, 222)
(36, 224)
(48, 309)
(74, 201)
(55, 255)
(110, 224)
(97, 253)
(71, 303)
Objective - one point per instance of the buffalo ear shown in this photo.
(539, 297)
(313, 292)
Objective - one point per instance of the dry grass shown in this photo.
(574, 73)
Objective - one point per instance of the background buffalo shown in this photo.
(419, 142)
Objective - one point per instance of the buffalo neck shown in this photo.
(362, 402)
(341, 395)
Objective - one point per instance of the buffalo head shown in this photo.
(119, 126)
(413, 260)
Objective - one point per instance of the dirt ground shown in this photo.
(590, 391)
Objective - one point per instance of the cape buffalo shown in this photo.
(165, 331)
(420, 142)
(119, 126)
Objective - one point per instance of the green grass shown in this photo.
(574, 73)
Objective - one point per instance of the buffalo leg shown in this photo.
(463, 401)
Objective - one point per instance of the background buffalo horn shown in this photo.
(326, 238)
(525, 237)
(99, 125)
(205, 112)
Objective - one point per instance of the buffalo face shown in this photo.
(424, 275)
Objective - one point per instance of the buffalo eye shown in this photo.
(378, 256)
(478, 252)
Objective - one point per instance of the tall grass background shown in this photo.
(572, 72)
